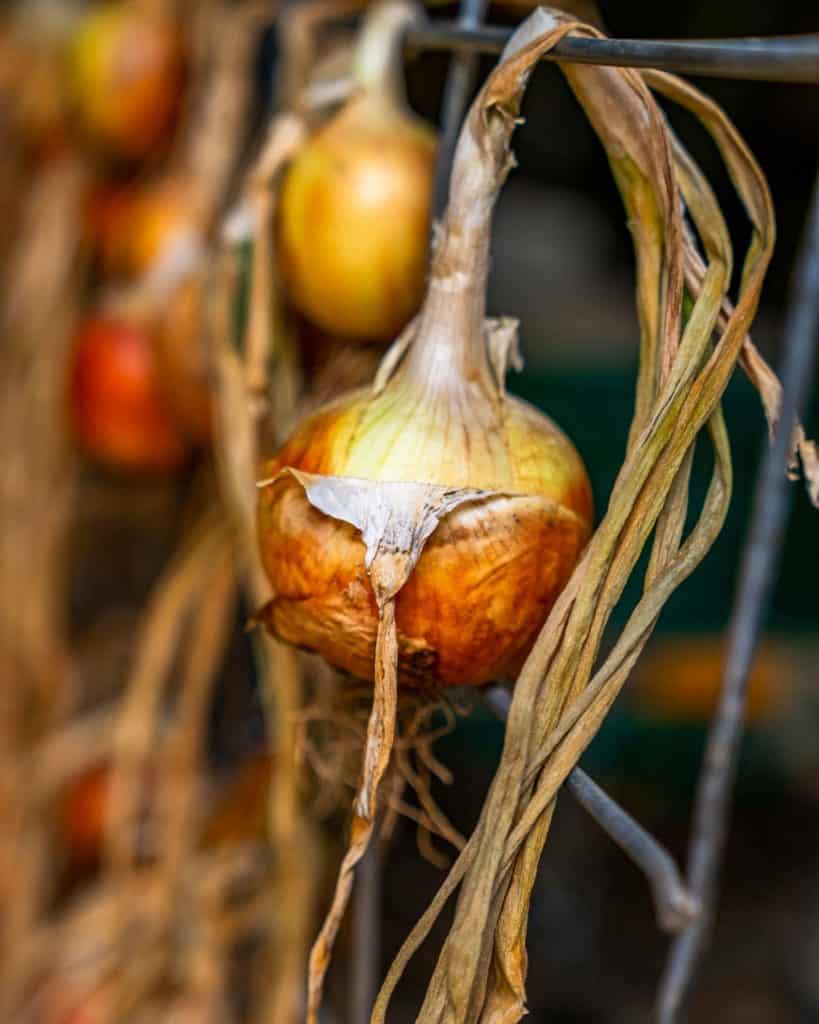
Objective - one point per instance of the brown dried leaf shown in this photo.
(559, 701)
(395, 520)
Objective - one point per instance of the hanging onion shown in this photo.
(507, 483)
(127, 72)
(419, 531)
(130, 227)
(119, 415)
(355, 203)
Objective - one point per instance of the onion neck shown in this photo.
(377, 66)
(449, 347)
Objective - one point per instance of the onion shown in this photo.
(127, 72)
(182, 360)
(508, 487)
(130, 227)
(679, 680)
(119, 416)
(418, 532)
(489, 573)
(355, 203)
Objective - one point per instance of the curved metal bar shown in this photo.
(459, 85)
(776, 59)
(760, 561)
(673, 904)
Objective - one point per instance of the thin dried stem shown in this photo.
(36, 494)
(257, 396)
(183, 748)
(377, 751)
(559, 700)
(136, 739)
(757, 572)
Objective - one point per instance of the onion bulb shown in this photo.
(486, 578)
(127, 71)
(130, 227)
(417, 533)
(679, 679)
(510, 504)
(354, 210)
(119, 415)
(82, 813)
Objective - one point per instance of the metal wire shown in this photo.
(673, 904)
(776, 59)
(459, 84)
(757, 573)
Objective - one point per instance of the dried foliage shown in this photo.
(562, 695)
(36, 491)
(153, 929)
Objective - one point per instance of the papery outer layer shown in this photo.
(487, 575)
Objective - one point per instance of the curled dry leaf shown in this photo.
(751, 360)
(257, 393)
(561, 695)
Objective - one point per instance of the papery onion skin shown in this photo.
(119, 416)
(485, 580)
(127, 70)
(354, 220)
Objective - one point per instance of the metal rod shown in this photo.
(366, 940)
(673, 904)
(757, 573)
(459, 84)
(775, 59)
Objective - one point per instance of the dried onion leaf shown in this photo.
(558, 703)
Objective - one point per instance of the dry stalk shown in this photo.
(213, 141)
(198, 591)
(560, 699)
(36, 486)
(257, 393)
(258, 402)
(183, 750)
(183, 598)
(306, 46)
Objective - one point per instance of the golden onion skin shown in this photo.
(485, 581)
(127, 74)
(354, 220)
